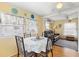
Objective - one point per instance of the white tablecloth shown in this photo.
(31, 44)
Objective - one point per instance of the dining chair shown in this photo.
(20, 45)
(21, 48)
(48, 48)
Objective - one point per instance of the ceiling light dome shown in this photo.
(59, 5)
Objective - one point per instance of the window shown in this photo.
(47, 25)
(11, 25)
(32, 27)
(70, 29)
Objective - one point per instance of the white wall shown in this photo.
(78, 31)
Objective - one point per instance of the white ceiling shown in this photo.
(48, 9)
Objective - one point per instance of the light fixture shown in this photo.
(59, 5)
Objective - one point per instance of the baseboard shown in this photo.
(15, 55)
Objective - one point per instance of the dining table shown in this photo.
(36, 45)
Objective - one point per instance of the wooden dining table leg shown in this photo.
(36, 55)
(47, 48)
(52, 48)
(52, 52)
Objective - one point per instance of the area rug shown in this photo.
(67, 44)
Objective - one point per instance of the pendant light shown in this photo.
(59, 5)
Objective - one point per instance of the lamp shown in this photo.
(59, 5)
